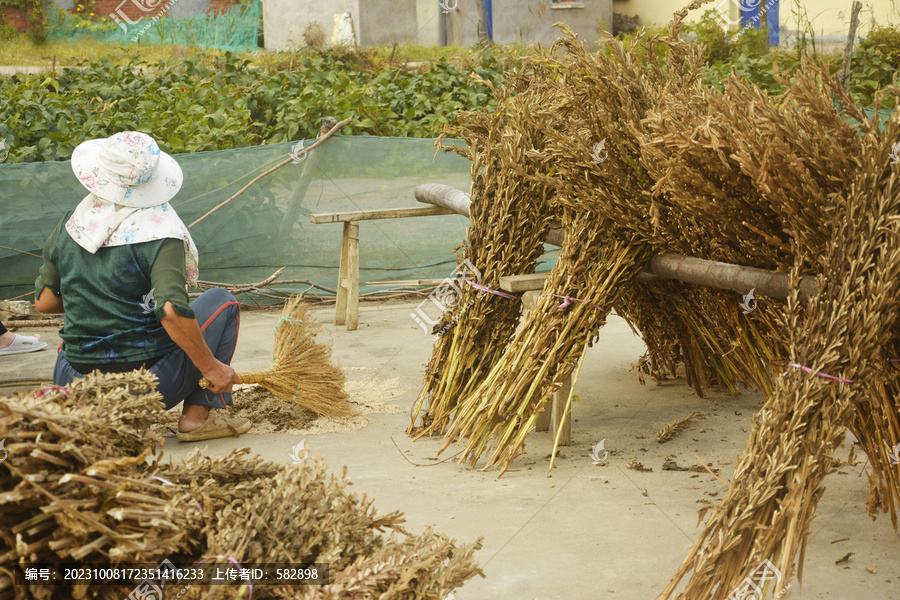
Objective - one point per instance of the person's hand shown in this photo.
(221, 378)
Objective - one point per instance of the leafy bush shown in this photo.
(873, 66)
(722, 44)
(227, 104)
(212, 102)
(37, 29)
(747, 53)
(7, 31)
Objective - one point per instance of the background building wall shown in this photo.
(285, 20)
(383, 22)
(830, 19)
(189, 8)
(529, 21)
(430, 24)
(17, 17)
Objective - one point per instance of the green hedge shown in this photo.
(194, 107)
(224, 102)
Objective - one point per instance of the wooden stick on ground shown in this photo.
(13, 325)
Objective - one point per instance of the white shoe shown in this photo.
(22, 344)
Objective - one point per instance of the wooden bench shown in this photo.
(347, 307)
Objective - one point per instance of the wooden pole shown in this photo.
(851, 38)
(13, 325)
(482, 23)
(729, 277)
(286, 161)
(666, 266)
(340, 304)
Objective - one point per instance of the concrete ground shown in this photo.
(583, 532)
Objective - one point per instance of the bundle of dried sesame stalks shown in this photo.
(82, 483)
(510, 218)
(785, 183)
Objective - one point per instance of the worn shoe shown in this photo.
(217, 425)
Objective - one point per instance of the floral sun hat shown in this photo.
(127, 169)
(130, 183)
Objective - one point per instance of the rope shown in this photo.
(484, 288)
(818, 374)
(567, 300)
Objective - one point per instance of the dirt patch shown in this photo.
(271, 414)
(368, 396)
(267, 412)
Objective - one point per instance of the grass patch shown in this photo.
(21, 50)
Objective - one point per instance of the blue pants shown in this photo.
(219, 316)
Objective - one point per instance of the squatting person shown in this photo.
(120, 263)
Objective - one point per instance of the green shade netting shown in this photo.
(236, 29)
(268, 226)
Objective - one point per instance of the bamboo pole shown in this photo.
(669, 265)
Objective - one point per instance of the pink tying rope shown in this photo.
(817, 373)
(567, 300)
(46, 389)
(484, 288)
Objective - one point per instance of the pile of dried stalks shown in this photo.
(780, 183)
(509, 221)
(83, 483)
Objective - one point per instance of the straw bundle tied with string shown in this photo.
(302, 371)
(509, 221)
